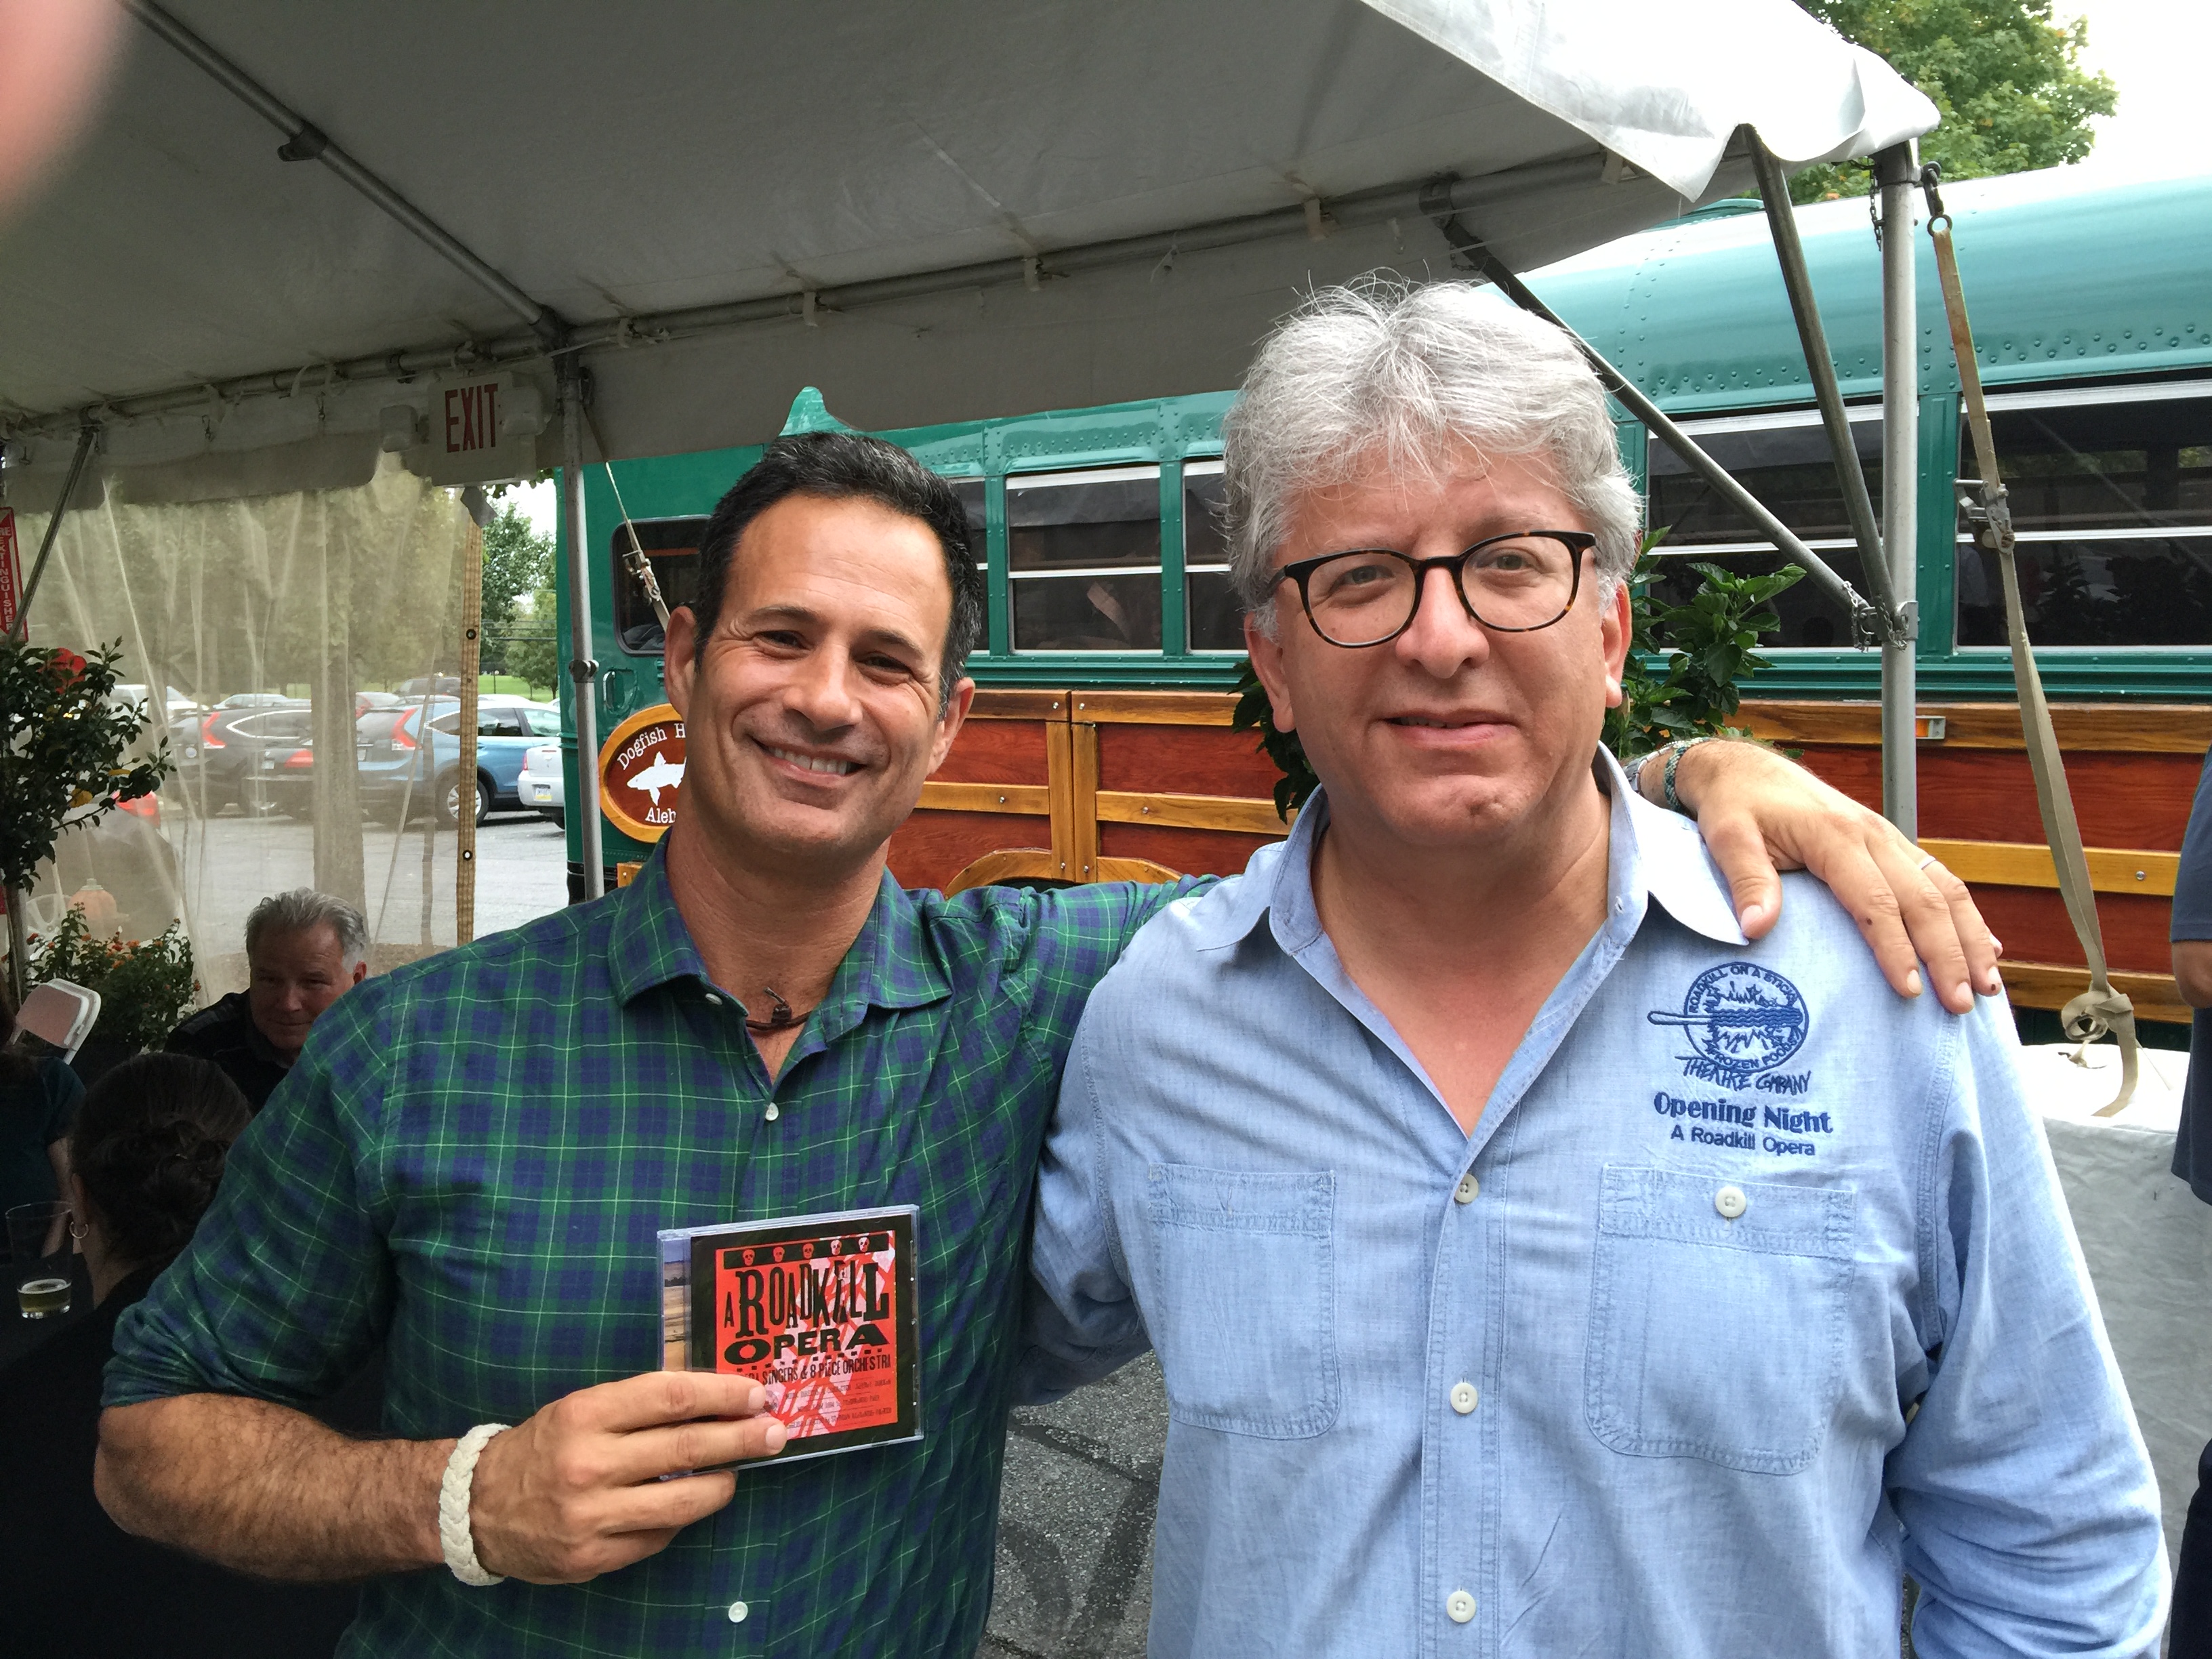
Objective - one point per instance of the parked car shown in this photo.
(228, 756)
(403, 760)
(540, 783)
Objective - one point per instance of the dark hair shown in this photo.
(148, 1144)
(844, 466)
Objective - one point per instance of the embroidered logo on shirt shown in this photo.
(1741, 1020)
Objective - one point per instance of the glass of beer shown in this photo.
(43, 1296)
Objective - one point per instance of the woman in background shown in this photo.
(145, 1155)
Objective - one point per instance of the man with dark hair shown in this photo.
(473, 1155)
(304, 949)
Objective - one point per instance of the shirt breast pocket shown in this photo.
(1717, 1321)
(1248, 1334)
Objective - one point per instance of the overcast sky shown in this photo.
(2157, 53)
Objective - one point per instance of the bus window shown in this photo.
(1083, 553)
(970, 492)
(1216, 619)
(671, 547)
(1784, 459)
(2111, 499)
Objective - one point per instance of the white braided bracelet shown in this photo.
(453, 1535)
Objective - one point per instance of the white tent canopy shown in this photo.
(933, 212)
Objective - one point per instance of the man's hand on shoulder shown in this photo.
(576, 1491)
(1760, 812)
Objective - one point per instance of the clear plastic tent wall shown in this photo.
(279, 643)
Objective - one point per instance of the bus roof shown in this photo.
(2066, 274)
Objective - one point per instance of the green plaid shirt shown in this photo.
(470, 1161)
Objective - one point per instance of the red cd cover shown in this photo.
(821, 1308)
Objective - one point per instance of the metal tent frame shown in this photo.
(1574, 174)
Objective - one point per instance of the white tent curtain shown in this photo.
(317, 605)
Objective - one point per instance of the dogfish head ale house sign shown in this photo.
(641, 764)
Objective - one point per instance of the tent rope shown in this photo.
(2100, 1008)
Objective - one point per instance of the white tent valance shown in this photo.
(933, 212)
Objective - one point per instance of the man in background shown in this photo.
(304, 949)
(2190, 1635)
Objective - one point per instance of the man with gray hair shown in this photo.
(1536, 1264)
(304, 949)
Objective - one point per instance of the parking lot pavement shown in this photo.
(1075, 1522)
(229, 863)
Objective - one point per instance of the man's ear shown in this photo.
(1616, 629)
(1268, 663)
(948, 723)
(680, 659)
(360, 972)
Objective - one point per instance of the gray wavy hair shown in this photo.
(302, 910)
(1384, 370)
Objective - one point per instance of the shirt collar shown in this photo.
(892, 964)
(1653, 854)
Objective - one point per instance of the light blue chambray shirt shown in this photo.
(1633, 1370)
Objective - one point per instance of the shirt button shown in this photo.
(773, 1113)
(713, 1001)
(1731, 1202)
(1459, 1606)
(738, 1612)
(1467, 1188)
(1463, 1397)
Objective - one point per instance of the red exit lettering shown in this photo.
(471, 418)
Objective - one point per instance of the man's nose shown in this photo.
(1442, 639)
(821, 690)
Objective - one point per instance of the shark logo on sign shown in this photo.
(658, 776)
(642, 772)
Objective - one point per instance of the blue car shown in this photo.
(401, 772)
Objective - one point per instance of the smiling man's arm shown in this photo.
(1761, 813)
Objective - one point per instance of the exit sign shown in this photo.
(465, 421)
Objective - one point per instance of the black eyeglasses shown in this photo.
(1514, 584)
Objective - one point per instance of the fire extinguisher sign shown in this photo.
(11, 570)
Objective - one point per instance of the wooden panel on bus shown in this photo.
(1184, 760)
(996, 751)
(931, 847)
(2032, 923)
(1193, 852)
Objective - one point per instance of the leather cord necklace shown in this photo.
(780, 1018)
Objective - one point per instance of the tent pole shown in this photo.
(85, 438)
(1858, 505)
(1895, 174)
(583, 671)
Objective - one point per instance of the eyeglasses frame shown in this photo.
(1301, 572)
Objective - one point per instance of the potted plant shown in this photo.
(145, 986)
(63, 743)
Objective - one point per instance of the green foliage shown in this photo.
(1710, 646)
(532, 645)
(1255, 713)
(2007, 77)
(518, 562)
(144, 988)
(63, 743)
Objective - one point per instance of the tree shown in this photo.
(2007, 77)
(518, 561)
(533, 642)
